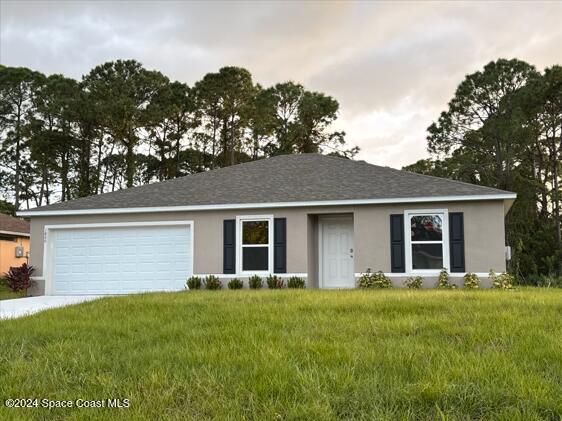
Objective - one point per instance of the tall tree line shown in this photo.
(503, 128)
(123, 125)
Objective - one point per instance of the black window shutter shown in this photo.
(229, 246)
(456, 241)
(397, 258)
(280, 245)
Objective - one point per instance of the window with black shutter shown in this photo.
(397, 260)
(456, 241)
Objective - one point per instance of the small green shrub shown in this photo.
(443, 280)
(212, 282)
(194, 282)
(370, 280)
(414, 282)
(275, 282)
(471, 281)
(502, 281)
(255, 282)
(235, 283)
(296, 282)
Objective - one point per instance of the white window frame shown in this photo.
(408, 214)
(254, 218)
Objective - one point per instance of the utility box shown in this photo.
(19, 251)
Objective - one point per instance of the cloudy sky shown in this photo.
(393, 66)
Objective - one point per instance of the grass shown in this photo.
(6, 293)
(308, 354)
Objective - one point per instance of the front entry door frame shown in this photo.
(322, 220)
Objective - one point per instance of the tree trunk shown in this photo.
(177, 166)
(538, 166)
(114, 181)
(64, 177)
(214, 145)
(41, 190)
(256, 147)
(18, 153)
(84, 187)
(130, 164)
(47, 191)
(233, 143)
(556, 197)
(99, 187)
(161, 144)
(106, 170)
(225, 146)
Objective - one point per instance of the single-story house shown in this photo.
(323, 218)
(14, 242)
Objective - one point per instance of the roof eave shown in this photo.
(15, 233)
(108, 211)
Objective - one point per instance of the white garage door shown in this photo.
(120, 260)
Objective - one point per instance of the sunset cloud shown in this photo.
(392, 66)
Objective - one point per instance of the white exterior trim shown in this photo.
(109, 211)
(15, 233)
(245, 218)
(232, 276)
(408, 213)
(117, 224)
(48, 244)
(432, 275)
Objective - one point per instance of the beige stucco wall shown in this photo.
(483, 221)
(484, 235)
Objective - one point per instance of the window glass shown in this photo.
(255, 232)
(427, 256)
(255, 258)
(427, 228)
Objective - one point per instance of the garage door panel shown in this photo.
(65, 251)
(120, 260)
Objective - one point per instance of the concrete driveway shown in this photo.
(10, 309)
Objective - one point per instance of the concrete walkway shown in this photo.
(10, 309)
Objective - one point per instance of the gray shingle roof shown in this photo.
(286, 178)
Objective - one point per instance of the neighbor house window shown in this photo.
(255, 249)
(427, 240)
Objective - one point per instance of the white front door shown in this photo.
(336, 252)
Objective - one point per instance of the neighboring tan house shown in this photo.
(322, 218)
(14, 242)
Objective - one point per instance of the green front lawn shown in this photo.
(394, 354)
